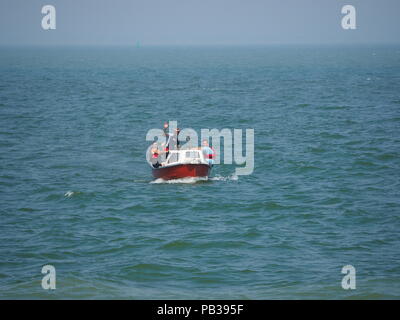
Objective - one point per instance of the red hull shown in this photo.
(182, 171)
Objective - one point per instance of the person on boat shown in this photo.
(174, 140)
(165, 129)
(166, 134)
(208, 152)
(177, 131)
(155, 156)
(166, 150)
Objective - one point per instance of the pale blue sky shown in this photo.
(197, 22)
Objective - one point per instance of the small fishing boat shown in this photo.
(182, 164)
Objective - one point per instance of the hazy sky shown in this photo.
(192, 22)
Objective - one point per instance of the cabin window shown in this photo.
(192, 154)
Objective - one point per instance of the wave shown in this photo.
(69, 194)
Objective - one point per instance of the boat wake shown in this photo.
(191, 180)
(228, 178)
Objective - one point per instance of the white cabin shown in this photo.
(185, 156)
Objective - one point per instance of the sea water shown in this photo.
(76, 192)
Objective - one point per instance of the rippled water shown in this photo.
(76, 192)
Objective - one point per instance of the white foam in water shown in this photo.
(182, 180)
(196, 179)
(69, 194)
(221, 178)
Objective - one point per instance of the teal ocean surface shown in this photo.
(77, 193)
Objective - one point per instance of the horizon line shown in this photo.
(141, 45)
